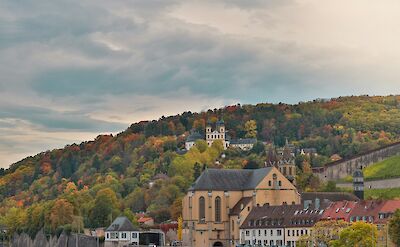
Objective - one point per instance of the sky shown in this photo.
(73, 69)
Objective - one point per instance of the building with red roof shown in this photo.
(340, 210)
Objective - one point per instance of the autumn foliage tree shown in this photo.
(357, 234)
(62, 213)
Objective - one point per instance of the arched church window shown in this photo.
(218, 209)
(202, 209)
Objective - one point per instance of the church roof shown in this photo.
(244, 141)
(230, 179)
(121, 224)
(194, 137)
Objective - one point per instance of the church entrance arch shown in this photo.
(218, 244)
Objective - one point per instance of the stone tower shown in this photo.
(358, 183)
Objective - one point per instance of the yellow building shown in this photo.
(220, 200)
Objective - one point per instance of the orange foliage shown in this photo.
(20, 203)
(70, 188)
(131, 137)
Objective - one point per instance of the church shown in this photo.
(218, 132)
(221, 199)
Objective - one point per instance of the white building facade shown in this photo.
(262, 236)
(121, 233)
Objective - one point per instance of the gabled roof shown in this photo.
(368, 208)
(121, 224)
(240, 205)
(282, 216)
(230, 179)
(340, 210)
(390, 206)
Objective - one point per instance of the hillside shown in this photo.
(388, 168)
(99, 179)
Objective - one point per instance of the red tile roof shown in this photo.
(367, 210)
(339, 210)
(390, 206)
(144, 219)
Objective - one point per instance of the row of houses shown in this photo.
(286, 225)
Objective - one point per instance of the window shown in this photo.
(290, 170)
(108, 235)
(123, 235)
(247, 233)
(202, 209)
(134, 234)
(279, 232)
(233, 225)
(218, 209)
(259, 233)
(284, 171)
(269, 183)
(280, 183)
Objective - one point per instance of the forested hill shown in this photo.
(140, 169)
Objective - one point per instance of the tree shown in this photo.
(201, 145)
(176, 209)
(197, 170)
(251, 129)
(357, 234)
(15, 219)
(104, 209)
(62, 213)
(394, 227)
(325, 231)
(180, 223)
(135, 200)
(258, 148)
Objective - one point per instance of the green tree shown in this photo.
(251, 129)
(258, 148)
(15, 219)
(197, 170)
(135, 201)
(394, 227)
(201, 145)
(105, 208)
(357, 234)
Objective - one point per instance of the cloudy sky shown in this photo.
(71, 69)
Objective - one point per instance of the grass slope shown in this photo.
(388, 168)
(391, 193)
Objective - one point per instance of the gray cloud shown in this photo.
(72, 69)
